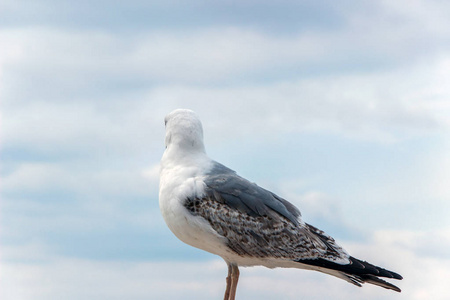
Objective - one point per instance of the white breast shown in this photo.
(176, 184)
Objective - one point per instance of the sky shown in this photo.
(340, 107)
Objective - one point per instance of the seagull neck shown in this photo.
(177, 155)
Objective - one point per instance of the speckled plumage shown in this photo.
(265, 236)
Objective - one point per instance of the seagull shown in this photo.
(210, 207)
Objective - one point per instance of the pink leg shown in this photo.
(234, 281)
(227, 290)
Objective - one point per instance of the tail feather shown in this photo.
(380, 282)
(355, 272)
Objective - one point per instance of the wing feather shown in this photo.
(264, 236)
(258, 223)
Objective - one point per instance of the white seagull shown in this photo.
(209, 206)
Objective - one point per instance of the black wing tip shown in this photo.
(396, 275)
(370, 269)
(358, 271)
(380, 282)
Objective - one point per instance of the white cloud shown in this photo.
(77, 129)
(91, 103)
(424, 268)
(424, 277)
(441, 174)
(367, 107)
(49, 177)
(46, 198)
(221, 53)
(427, 16)
(60, 85)
(84, 201)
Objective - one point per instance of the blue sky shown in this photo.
(342, 108)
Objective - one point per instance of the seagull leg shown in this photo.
(227, 290)
(234, 281)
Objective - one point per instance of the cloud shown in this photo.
(370, 39)
(73, 131)
(138, 15)
(339, 79)
(343, 108)
(424, 276)
(366, 107)
(413, 256)
(37, 178)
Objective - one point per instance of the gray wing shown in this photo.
(258, 223)
(245, 196)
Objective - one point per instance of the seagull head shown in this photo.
(184, 131)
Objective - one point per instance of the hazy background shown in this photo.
(341, 107)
